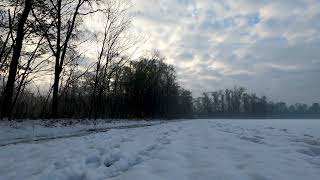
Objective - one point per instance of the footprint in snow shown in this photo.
(308, 141)
(93, 161)
(149, 149)
(126, 140)
(101, 151)
(284, 130)
(205, 147)
(174, 130)
(269, 128)
(164, 140)
(60, 164)
(307, 135)
(254, 139)
(110, 160)
(312, 151)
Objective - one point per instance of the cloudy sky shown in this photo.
(271, 47)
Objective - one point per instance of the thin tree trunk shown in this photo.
(61, 53)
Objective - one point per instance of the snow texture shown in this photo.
(195, 149)
(38, 130)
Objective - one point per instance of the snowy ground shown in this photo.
(195, 149)
(12, 132)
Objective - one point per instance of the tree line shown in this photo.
(55, 64)
(237, 102)
(47, 42)
(144, 88)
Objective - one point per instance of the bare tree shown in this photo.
(112, 41)
(62, 19)
(8, 92)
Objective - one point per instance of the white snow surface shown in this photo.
(28, 130)
(193, 149)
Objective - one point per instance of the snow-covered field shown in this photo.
(33, 130)
(194, 149)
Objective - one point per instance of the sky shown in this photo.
(270, 47)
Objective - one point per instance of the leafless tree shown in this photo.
(112, 39)
(62, 19)
(17, 46)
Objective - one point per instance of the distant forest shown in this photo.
(46, 71)
(238, 103)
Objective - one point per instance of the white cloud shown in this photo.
(270, 46)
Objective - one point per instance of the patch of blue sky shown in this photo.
(253, 19)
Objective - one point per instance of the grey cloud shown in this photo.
(269, 46)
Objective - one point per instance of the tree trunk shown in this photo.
(55, 92)
(8, 92)
(55, 95)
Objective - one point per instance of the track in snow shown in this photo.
(39, 139)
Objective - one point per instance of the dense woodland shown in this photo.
(47, 71)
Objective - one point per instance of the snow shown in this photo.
(193, 149)
(12, 132)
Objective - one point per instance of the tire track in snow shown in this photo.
(41, 139)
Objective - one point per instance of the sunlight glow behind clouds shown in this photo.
(270, 47)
